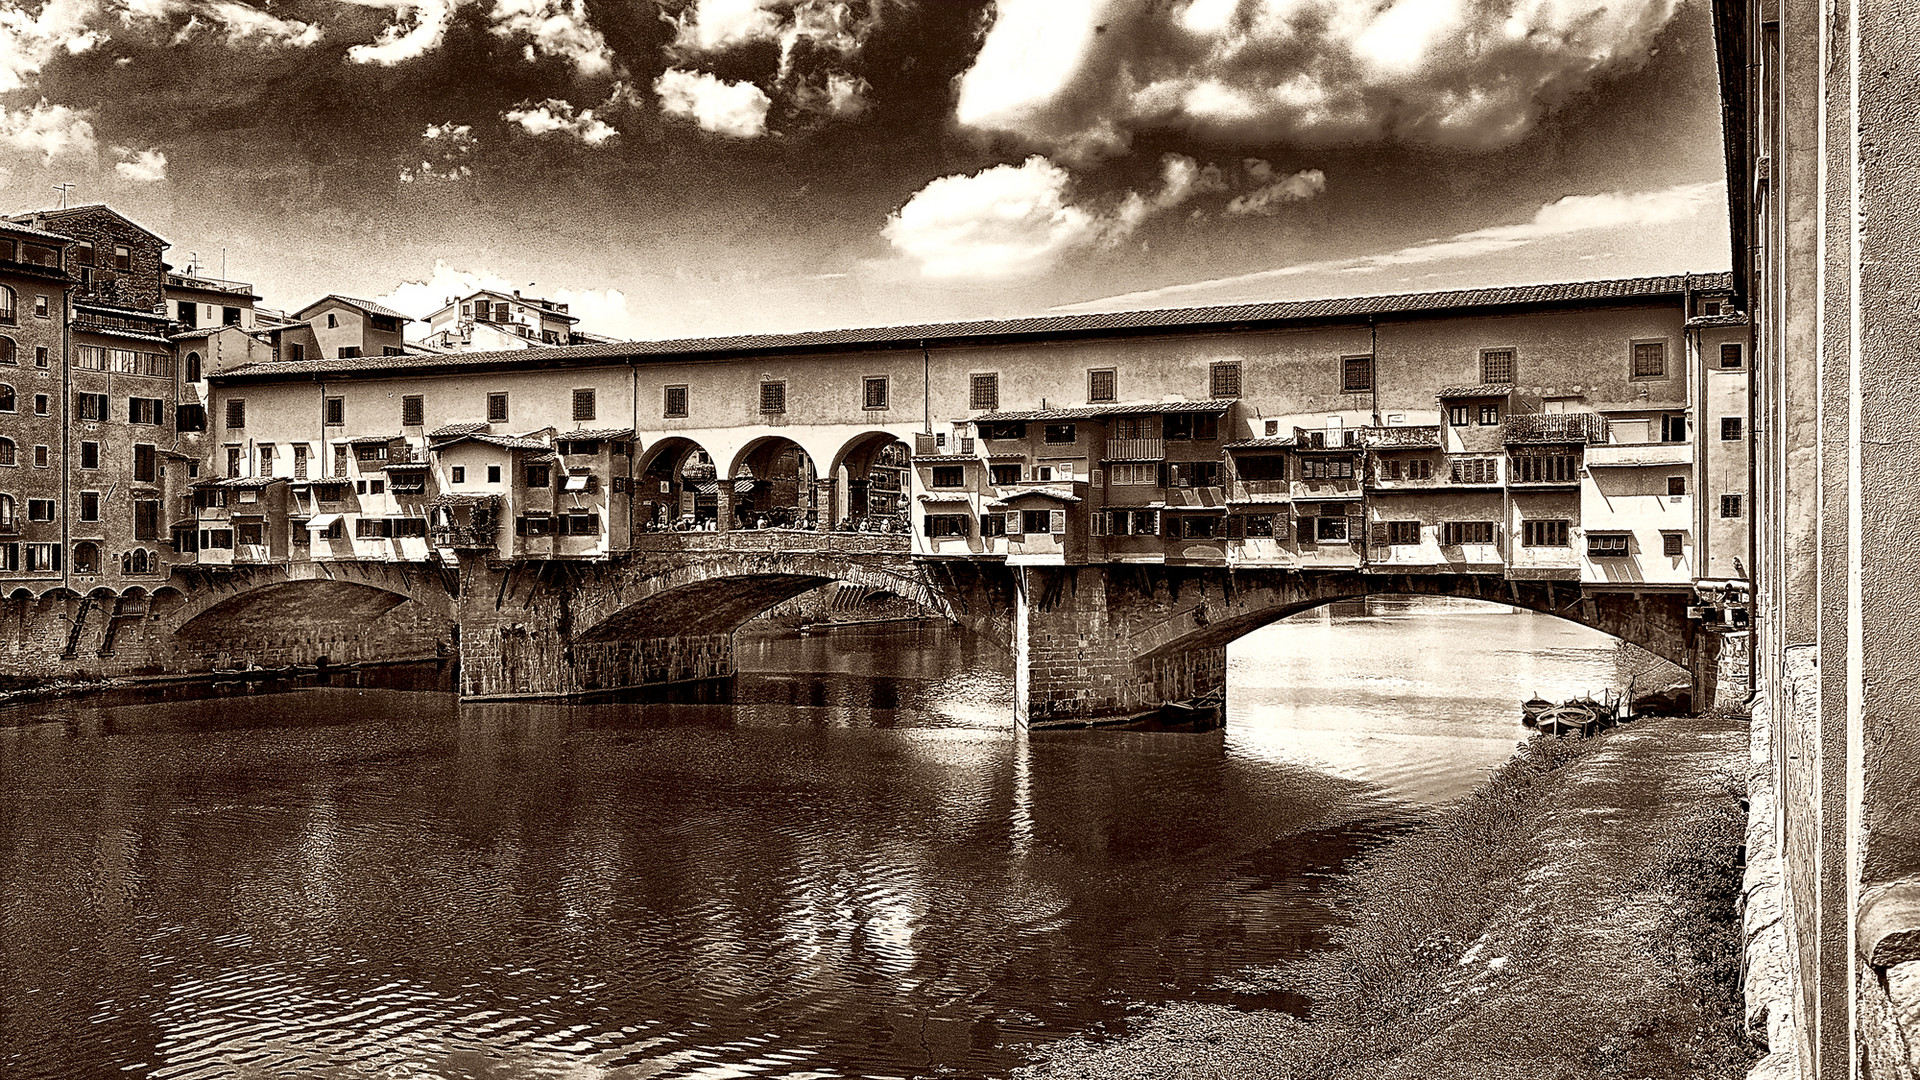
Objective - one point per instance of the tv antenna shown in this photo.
(63, 187)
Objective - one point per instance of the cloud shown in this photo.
(1012, 220)
(1565, 217)
(600, 311)
(555, 28)
(234, 22)
(1080, 77)
(28, 41)
(715, 25)
(445, 149)
(841, 96)
(47, 130)
(556, 117)
(738, 110)
(1266, 200)
(141, 167)
(419, 27)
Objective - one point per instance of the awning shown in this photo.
(577, 483)
(939, 499)
(321, 521)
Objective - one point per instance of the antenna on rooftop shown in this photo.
(193, 264)
(63, 187)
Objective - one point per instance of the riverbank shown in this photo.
(1573, 917)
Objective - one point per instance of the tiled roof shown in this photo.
(595, 433)
(367, 306)
(1266, 442)
(1094, 412)
(510, 442)
(28, 230)
(239, 482)
(1736, 318)
(472, 427)
(1483, 390)
(361, 440)
(1045, 326)
(197, 332)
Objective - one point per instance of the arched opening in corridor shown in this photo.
(676, 490)
(773, 484)
(869, 485)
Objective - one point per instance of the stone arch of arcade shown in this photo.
(867, 482)
(675, 485)
(774, 482)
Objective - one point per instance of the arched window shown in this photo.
(193, 367)
(7, 453)
(7, 400)
(8, 351)
(139, 562)
(86, 557)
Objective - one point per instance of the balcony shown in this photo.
(1134, 450)
(1573, 427)
(466, 537)
(1260, 491)
(1619, 454)
(209, 284)
(1417, 437)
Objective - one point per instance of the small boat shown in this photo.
(1531, 709)
(1203, 713)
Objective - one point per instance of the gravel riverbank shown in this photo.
(1574, 917)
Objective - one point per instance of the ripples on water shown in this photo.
(842, 873)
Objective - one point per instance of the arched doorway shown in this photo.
(774, 485)
(869, 484)
(676, 489)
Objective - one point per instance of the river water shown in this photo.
(857, 868)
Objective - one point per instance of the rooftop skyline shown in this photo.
(838, 163)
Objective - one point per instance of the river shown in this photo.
(856, 868)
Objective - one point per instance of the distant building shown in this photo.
(338, 327)
(493, 321)
(33, 407)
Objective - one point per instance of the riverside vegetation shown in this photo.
(1576, 916)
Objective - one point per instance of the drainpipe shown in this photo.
(926, 386)
(66, 435)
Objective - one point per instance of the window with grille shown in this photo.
(497, 407)
(1496, 366)
(674, 401)
(1649, 360)
(1543, 533)
(1100, 386)
(1225, 380)
(1673, 545)
(584, 403)
(1730, 429)
(1730, 355)
(336, 411)
(1729, 506)
(773, 397)
(1609, 545)
(875, 394)
(1356, 373)
(984, 395)
(413, 410)
(236, 413)
(1454, 533)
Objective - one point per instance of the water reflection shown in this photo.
(860, 873)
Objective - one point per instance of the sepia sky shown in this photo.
(685, 167)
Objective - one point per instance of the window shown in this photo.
(6, 512)
(497, 407)
(875, 394)
(1190, 474)
(1037, 521)
(1729, 506)
(122, 257)
(459, 474)
(186, 312)
(8, 401)
(1329, 527)
(1403, 533)
(233, 460)
(372, 529)
(937, 526)
(146, 519)
(1004, 474)
(1673, 545)
(1496, 366)
(1356, 374)
(579, 525)
(40, 356)
(266, 459)
(1455, 533)
(1543, 533)
(415, 526)
(1609, 545)
(333, 320)
(236, 412)
(984, 393)
(951, 476)
(1649, 360)
(1730, 429)
(89, 455)
(1319, 468)
(992, 525)
(145, 463)
(1677, 485)
(535, 524)
(539, 476)
(299, 461)
(1544, 469)
(1673, 427)
(43, 556)
(583, 403)
(190, 418)
(230, 316)
(773, 397)
(370, 451)
(493, 474)
(502, 312)
(83, 253)
(1730, 355)
(41, 458)
(86, 557)
(1198, 526)
(8, 315)
(90, 406)
(89, 506)
(336, 412)
(413, 410)
(1059, 433)
(1202, 426)
(42, 405)
(297, 351)
(250, 532)
(143, 410)
(339, 459)
(40, 309)
(1132, 473)
(1258, 527)
(1100, 384)
(675, 403)
(1459, 415)
(1224, 380)
(1489, 414)
(1475, 471)
(39, 509)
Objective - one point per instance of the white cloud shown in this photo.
(235, 22)
(1266, 200)
(1564, 218)
(47, 130)
(141, 167)
(600, 311)
(714, 25)
(445, 149)
(556, 28)
(1011, 220)
(556, 117)
(1079, 77)
(29, 40)
(418, 28)
(737, 109)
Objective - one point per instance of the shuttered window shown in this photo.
(1649, 360)
(1454, 533)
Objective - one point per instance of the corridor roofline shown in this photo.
(1220, 319)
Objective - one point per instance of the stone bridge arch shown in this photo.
(297, 613)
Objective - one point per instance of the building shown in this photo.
(492, 321)
(34, 302)
(339, 327)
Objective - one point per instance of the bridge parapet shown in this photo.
(762, 541)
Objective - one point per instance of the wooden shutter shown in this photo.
(1307, 529)
(1099, 523)
(1379, 535)
(1013, 524)
(1236, 527)
(1357, 528)
(1057, 522)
